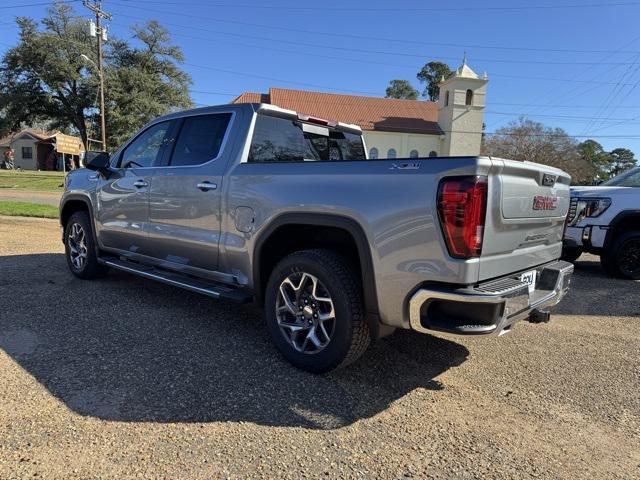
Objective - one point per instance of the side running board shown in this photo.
(202, 286)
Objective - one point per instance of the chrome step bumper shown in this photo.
(491, 307)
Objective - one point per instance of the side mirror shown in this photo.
(98, 161)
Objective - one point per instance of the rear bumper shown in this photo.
(491, 307)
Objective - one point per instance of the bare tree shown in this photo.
(525, 139)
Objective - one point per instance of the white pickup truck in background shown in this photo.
(605, 220)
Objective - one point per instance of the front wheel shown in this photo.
(623, 258)
(314, 311)
(80, 248)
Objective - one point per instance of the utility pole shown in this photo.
(101, 34)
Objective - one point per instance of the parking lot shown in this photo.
(125, 378)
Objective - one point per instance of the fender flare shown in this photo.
(77, 197)
(323, 220)
(614, 225)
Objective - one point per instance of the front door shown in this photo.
(123, 197)
(185, 195)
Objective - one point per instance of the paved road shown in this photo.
(121, 378)
(31, 196)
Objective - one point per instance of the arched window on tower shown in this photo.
(446, 98)
(469, 98)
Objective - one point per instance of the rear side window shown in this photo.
(200, 139)
(283, 140)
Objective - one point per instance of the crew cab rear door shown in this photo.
(185, 193)
(526, 210)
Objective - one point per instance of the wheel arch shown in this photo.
(262, 264)
(628, 220)
(74, 203)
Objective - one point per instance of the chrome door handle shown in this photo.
(140, 184)
(206, 186)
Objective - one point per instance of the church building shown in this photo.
(394, 128)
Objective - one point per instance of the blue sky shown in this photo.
(577, 68)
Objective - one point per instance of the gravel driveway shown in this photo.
(124, 378)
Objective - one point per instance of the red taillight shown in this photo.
(462, 207)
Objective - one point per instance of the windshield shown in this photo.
(630, 178)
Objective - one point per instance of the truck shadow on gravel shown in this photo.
(126, 349)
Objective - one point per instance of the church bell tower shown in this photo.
(461, 111)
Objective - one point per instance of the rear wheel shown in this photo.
(80, 248)
(623, 258)
(314, 311)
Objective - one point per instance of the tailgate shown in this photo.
(526, 209)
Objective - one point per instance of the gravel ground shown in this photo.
(122, 378)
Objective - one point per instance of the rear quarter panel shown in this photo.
(395, 207)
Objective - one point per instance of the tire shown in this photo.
(570, 254)
(79, 243)
(306, 341)
(623, 258)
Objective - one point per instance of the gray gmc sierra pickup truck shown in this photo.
(256, 203)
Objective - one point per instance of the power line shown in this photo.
(393, 40)
(299, 43)
(634, 107)
(38, 4)
(348, 59)
(613, 94)
(331, 88)
(633, 87)
(404, 10)
(361, 60)
(575, 88)
(264, 77)
(572, 117)
(215, 93)
(373, 94)
(551, 79)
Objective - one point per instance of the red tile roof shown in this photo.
(252, 97)
(370, 113)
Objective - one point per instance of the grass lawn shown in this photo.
(24, 209)
(32, 180)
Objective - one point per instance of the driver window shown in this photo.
(145, 150)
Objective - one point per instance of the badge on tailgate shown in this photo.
(545, 202)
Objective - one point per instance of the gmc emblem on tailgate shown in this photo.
(544, 202)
